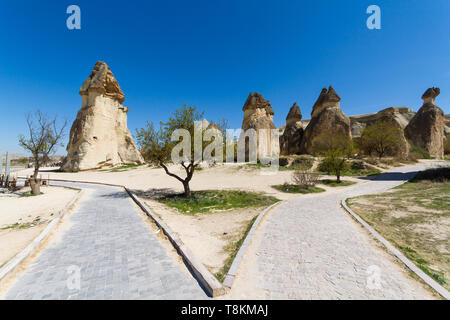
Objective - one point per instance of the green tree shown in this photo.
(380, 137)
(157, 145)
(44, 136)
(336, 150)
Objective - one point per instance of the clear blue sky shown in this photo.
(212, 53)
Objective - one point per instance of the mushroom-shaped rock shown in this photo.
(326, 116)
(258, 115)
(427, 128)
(99, 135)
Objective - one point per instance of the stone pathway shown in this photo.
(309, 248)
(115, 252)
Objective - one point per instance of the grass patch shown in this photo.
(300, 163)
(293, 188)
(19, 226)
(233, 249)
(415, 217)
(334, 183)
(350, 171)
(214, 200)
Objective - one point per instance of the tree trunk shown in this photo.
(338, 178)
(35, 185)
(187, 190)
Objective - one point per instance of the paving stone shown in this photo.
(311, 249)
(117, 254)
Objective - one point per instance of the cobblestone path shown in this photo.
(115, 252)
(309, 248)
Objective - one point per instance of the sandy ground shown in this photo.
(38, 209)
(207, 235)
(226, 176)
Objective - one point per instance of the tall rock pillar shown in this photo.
(99, 135)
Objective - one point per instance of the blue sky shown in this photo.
(213, 53)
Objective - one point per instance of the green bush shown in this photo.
(435, 175)
(302, 163)
(447, 145)
(419, 153)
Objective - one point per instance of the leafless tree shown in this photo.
(44, 135)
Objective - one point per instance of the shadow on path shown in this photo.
(391, 176)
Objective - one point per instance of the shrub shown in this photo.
(337, 149)
(358, 165)
(419, 153)
(283, 162)
(389, 162)
(380, 137)
(303, 163)
(372, 161)
(447, 145)
(436, 175)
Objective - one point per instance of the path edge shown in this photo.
(213, 287)
(208, 281)
(19, 258)
(408, 263)
(232, 272)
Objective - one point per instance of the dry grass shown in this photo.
(415, 217)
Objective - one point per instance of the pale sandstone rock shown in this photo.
(99, 136)
(402, 116)
(426, 130)
(290, 141)
(326, 116)
(258, 114)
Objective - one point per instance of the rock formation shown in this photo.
(326, 116)
(258, 114)
(401, 115)
(426, 129)
(99, 136)
(396, 117)
(292, 136)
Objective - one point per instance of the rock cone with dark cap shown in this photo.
(326, 116)
(426, 129)
(258, 115)
(99, 136)
(290, 141)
